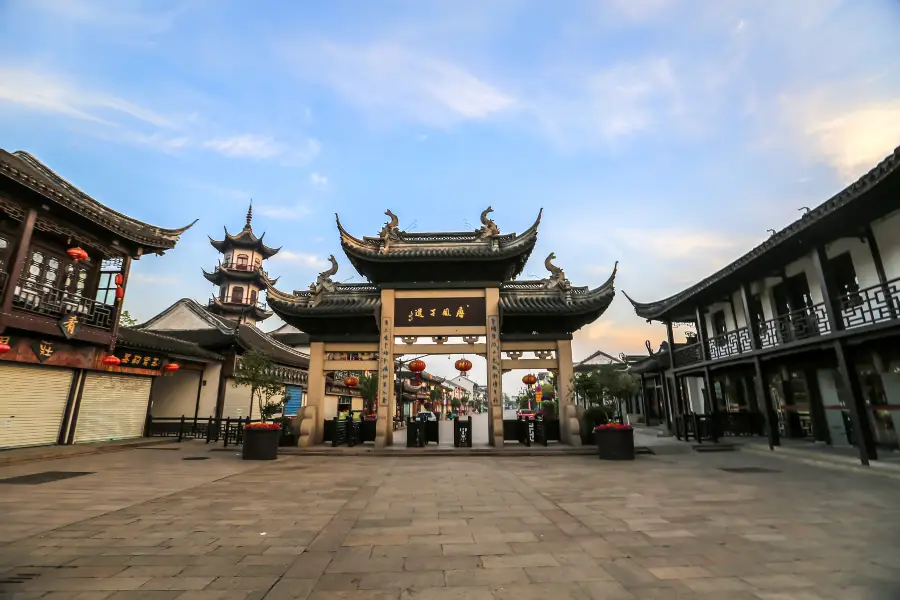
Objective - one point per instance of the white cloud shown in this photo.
(41, 92)
(153, 279)
(286, 213)
(300, 259)
(245, 146)
(318, 180)
(674, 244)
(407, 82)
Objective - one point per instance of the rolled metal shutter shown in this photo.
(295, 400)
(32, 404)
(113, 407)
(237, 401)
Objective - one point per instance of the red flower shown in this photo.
(606, 426)
(261, 425)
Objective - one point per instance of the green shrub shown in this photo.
(596, 415)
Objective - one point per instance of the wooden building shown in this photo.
(802, 330)
(64, 265)
(440, 285)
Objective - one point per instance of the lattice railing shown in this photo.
(31, 296)
(688, 355)
(729, 344)
(875, 304)
(796, 325)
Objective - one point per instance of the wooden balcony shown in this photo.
(875, 304)
(794, 326)
(33, 297)
(729, 344)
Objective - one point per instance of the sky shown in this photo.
(668, 135)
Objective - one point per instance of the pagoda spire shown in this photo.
(249, 215)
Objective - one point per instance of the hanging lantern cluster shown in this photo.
(351, 381)
(120, 286)
(463, 365)
(77, 254)
(529, 380)
(417, 366)
(171, 367)
(4, 348)
(112, 361)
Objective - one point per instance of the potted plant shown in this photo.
(614, 441)
(594, 415)
(261, 438)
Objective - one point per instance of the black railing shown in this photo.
(688, 355)
(31, 296)
(875, 304)
(245, 301)
(796, 325)
(729, 344)
(230, 431)
(3, 279)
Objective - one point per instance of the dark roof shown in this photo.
(225, 274)
(292, 339)
(529, 306)
(226, 308)
(224, 333)
(29, 172)
(444, 256)
(875, 194)
(149, 340)
(655, 363)
(525, 307)
(244, 240)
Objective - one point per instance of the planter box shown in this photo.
(261, 444)
(615, 444)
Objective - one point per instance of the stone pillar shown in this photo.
(569, 427)
(494, 367)
(312, 430)
(384, 428)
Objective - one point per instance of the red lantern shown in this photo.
(529, 379)
(417, 366)
(171, 367)
(120, 293)
(463, 366)
(119, 279)
(351, 381)
(4, 348)
(77, 254)
(112, 361)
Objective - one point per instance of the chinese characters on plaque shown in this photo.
(439, 312)
(43, 349)
(386, 361)
(138, 360)
(494, 359)
(69, 325)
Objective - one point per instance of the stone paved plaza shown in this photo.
(148, 524)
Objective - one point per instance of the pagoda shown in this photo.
(240, 276)
(395, 259)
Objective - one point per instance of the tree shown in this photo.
(368, 389)
(257, 372)
(126, 320)
(456, 403)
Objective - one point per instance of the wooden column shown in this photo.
(879, 270)
(569, 428)
(645, 405)
(702, 337)
(862, 429)
(859, 418)
(126, 271)
(702, 334)
(679, 397)
(763, 395)
(18, 262)
(384, 428)
(750, 318)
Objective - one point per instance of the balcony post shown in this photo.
(18, 262)
(702, 334)
(826, 285)
(750, 318)
(879, 269)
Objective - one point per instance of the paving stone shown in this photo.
(441, 563)
(406, 580)
(493, 578)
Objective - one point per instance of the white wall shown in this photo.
(180, 318)
(175, 395)
(210, 392)
(695, 387)
(887, 236)
(831, 398)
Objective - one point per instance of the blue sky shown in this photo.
(666, 134)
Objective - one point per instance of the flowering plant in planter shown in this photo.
(261, 425)
(612, 425)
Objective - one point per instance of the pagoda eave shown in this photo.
(230, 310)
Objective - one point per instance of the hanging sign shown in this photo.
(439, 312)
(43, 349)
(69, 325)
(138, 359)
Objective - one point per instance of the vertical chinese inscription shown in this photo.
(385, 361)
(496, 372)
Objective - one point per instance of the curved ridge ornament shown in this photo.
(557, 278)
(390, 231)
(488, 228)
(323, 281)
